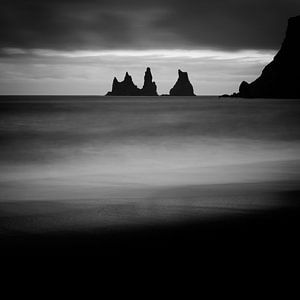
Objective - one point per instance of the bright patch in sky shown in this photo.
(263, 56)
(43, 71)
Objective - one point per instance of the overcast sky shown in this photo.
(77, 47)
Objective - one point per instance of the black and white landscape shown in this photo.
(150, 169)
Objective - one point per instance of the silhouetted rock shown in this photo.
(124, 88)
(128, 88)
(280, 78)
(149, 88)
(182, 87)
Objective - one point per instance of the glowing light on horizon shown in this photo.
(241, 55)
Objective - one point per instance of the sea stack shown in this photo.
(280, 78)
(128, 88)
(182, 87)
(124, 88)
(149, 88)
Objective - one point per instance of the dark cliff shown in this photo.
(280, 78)
(182, 87)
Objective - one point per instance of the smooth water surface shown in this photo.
(143, 158)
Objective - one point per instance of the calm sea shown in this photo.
(133, 150)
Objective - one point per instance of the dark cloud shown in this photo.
(111, 24)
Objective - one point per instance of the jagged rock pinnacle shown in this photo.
(182, 87)
(128, 88)
(149, 87)
(124, 88)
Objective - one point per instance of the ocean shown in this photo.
(84, 162)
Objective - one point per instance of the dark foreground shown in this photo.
(253, 254)
(266, 236)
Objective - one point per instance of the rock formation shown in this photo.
(182, 87)
(149, 87)
(124, 88)
(128, 88)
(280, 78)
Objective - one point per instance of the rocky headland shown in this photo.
(280, 78)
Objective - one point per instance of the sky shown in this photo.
(77, 47)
